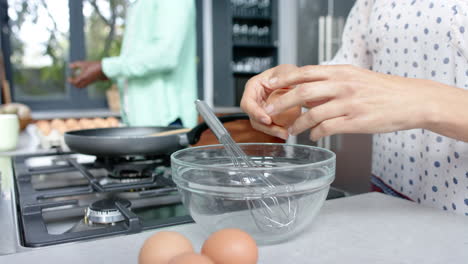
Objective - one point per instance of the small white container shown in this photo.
(9, 131)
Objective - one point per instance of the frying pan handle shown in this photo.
(194, 135)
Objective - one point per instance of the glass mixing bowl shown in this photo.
(219, 195)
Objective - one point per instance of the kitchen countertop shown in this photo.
(78, 113)
(368, 228)
(89, 113)
(27, 144)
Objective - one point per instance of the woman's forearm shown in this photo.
(447, 114)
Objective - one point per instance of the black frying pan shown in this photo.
(133, 141)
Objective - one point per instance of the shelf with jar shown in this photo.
(251, 9)
(254, 47)
(251, 35)
(245, 44)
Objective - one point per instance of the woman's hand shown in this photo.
(255, 96)
(89, 72)
(348, 99)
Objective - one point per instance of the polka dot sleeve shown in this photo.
(354, 47)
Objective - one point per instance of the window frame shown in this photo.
(75, 98)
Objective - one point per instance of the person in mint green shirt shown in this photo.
(156, 69)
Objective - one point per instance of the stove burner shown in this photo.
(105, 211)
(129, 174)
(132, 167)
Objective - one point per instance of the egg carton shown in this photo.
(55, 136)
(51, 141)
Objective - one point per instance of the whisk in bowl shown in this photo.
(271, 211)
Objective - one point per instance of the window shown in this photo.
(39, 48)
(104, 28)
(46, 35)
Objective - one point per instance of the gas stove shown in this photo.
(55, 198)
(67, 197)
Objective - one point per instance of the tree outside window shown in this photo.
(40, 44)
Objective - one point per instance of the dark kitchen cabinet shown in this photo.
(245, 35)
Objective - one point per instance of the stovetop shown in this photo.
(55, 198)
(60, 197)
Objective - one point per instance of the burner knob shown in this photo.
(105, 211)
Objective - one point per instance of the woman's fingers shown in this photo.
(256, 93)
(251, 102)
(317, 115)
(337, 125)
(302, 95)
(309, 73)
(273, 130)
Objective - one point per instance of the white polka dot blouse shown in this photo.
(425, 39)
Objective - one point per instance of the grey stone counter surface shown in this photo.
(368, 228)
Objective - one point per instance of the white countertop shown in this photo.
(368, 228)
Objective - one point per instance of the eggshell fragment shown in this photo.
(191, 258)
(231, 246)
(285, 118)
(164, 246)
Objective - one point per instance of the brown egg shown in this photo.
(71, 128)
(71, 122)
(42, 123)
(56, 123)
(231, 246)
(45, 129)
(191, 258)
(86, 123)
(43, 126)
(162, 247)
(105, 123)
(99, 122)
(288, 117)
(83, 120)
(112, 121)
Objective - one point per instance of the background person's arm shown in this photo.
(90, 71)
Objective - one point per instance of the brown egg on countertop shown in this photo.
(163, 246)
(231, 246)
(191, 258)
(288, 117)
